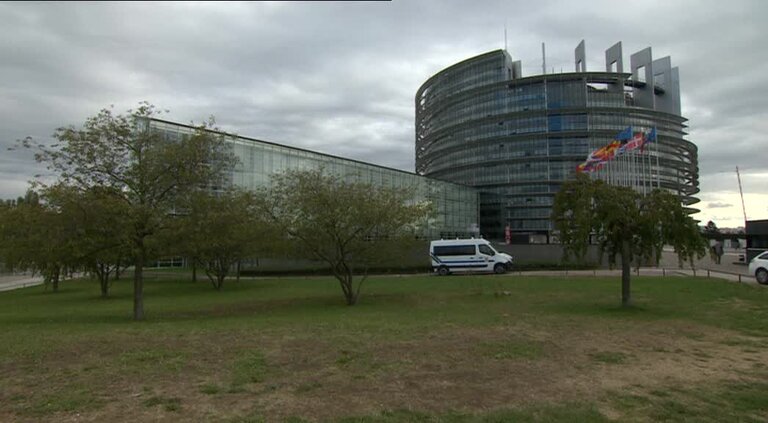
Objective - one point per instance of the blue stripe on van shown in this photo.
(458, 264)
(462, 261)
(461, 266)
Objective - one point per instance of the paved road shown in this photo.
(728, 269)
(645, 271)
(9, 282)
(729, 265)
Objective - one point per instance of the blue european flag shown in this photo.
(625, 135)
(650, 136)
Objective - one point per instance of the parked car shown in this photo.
(759, 267)
(467, 255)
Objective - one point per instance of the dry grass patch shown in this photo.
(431, 352)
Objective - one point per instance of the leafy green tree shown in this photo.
(218, 230)
(97, 219)
(140, 168)
(343, 222)
(625, 223)
(37, 237)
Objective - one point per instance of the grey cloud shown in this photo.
(718, 205)
(727, 221)
(753, 181)
(341, 77)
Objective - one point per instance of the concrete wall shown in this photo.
(416, 257)
(407, 259)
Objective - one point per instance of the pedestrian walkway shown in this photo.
(736, 273)
(10, 282)
(722, 274)
(741, 277)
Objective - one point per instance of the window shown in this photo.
(455, 250)
(641, 74)
(488, 251)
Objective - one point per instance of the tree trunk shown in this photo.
(345, 288)
(194, 269)
(117, 270)
(223, 269)
(344, 275)
(626, 298)
(350, 297)
(55, 279)
(104, 280)
(349, 291)
(138, 283)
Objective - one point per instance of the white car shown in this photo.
(759, 267)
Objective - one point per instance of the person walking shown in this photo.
(718, 251)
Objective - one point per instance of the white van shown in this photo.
(467, 255)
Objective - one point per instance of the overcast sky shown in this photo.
(340, 77)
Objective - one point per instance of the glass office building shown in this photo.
(517, 139)
(456, 205)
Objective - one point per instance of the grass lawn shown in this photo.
(425, 349)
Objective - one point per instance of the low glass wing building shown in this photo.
(517, 139)
(456, 205)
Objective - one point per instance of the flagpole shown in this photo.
(626, 170)
(658, 169)
(620, 169)
(609, 173)
(650, 169)
(633, 175)
(638, 172)
(639, 177)
(636, 178)
(647, 176)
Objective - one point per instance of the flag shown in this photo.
(649, 137)
(636, 142)
(625, 135)
(598, 158)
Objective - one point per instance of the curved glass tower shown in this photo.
(517, 139)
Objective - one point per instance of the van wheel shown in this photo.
(443, 271)
(499, 269)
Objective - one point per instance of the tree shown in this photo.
(342, 222)
(219, 230)
(36, 237)
(97, 220)
(625, 223)
(710, 231)
(140, 168)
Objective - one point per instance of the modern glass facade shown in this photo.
(456, 205)
(480, 123)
